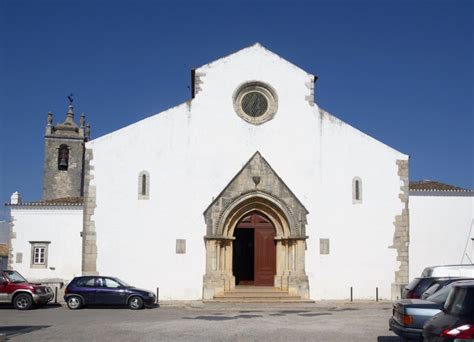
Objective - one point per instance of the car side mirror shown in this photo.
(3, 282)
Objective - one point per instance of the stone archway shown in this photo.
(256, 188)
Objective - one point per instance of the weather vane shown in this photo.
(71, 100)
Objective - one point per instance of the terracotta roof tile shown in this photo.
(428, 185)
(66, 201)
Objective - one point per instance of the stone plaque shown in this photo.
(180, 246)
(323, 246)
(19, 258)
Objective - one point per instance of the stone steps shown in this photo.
(258, 300)
(256, 294)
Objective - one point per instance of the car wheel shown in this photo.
(135, 303)
(74, 302)
(23, 301)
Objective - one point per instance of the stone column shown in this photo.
(218, 277)
(228, 259)
(281, 264)
(300, 256)
(298, 283)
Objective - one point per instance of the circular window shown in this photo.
(255, 102)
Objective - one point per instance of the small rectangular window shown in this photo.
(39, 254)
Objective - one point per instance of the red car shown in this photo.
(15, 289)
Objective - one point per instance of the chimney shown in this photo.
(16, 198)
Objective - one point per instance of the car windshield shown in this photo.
(440, 296)
(460, 301)
(15, 277)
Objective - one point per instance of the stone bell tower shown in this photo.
(64, 156)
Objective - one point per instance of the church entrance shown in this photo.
(254, 251)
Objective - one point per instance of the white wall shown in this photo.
(439, 230)
(193, 150)
(61, 226)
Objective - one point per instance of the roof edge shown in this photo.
(253, 46)
(42, 204)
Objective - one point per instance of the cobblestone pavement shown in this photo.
(194, 321)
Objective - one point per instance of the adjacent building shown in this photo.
(441, 225)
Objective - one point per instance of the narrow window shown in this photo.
(63, 157)
(143, 185)
(356, 190)
(39, 254)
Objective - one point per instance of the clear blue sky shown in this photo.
(401, 71)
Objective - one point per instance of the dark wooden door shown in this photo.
(265, 252)
(263, 269)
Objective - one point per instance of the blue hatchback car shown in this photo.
(99, 290)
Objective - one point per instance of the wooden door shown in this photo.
(265, 252)
(254, 256)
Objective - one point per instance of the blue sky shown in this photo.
(401, 71)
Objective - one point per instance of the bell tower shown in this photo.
(64, 156)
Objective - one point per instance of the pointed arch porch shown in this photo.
(256, 189)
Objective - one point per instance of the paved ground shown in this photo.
(323, 321)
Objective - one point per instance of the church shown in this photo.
(249, 184)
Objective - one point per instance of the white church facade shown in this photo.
(248, 183)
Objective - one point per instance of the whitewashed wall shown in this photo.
(193, 150)
(440, 229)
(62, 227)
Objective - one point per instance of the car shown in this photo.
(431, 273)
(103, 291)
(456, 320)
(440, 283)
(409, 315)
(417, 286)
(461, 270)
(15, 289)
